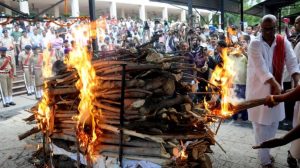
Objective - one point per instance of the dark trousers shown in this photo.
(240, 91)
(288, 105)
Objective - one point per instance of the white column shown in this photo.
(75, 8)
(122, 13)
(165, 13)
(142, 12)
(8, 11)
(24, 6)
(113, 9)
(183, 16)
(56, 11)
(220, 26)
(210, 18)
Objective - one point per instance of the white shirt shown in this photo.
(259, 70)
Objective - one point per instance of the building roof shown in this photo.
(232, 6)
(268, 7)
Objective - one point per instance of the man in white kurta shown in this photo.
(261, 82)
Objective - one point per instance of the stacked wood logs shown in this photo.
(161, 123)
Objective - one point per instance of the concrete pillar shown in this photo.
(24, 6)
(220, 22)
(56, 11)
(165, 13)
(122, 13)
(183, 16)
(113, 9)
(8, 11)
(142, 12)
(75, 8)
(210, 18)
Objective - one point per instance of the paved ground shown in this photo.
(22, 102)
(237, 140)
(14, 153)
(235, 137)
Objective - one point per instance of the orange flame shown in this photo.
(183, 155)
(80, 59)
(44, 110)
(223, 77)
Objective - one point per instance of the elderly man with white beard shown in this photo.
(267, 55)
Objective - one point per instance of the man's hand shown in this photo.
(270, 102)
(275, 88)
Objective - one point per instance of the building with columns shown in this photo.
(136, 9)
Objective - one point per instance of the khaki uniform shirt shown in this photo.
(23, 58)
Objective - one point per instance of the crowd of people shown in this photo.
(262, 61)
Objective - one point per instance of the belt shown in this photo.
(25, 66)
(4, 72)
(37, 67)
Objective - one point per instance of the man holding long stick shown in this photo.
(267, 56)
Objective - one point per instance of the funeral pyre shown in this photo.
(84, 111)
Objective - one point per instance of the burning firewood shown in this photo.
(158, 113)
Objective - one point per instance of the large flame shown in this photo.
(223, 77)
(44, 110)
(80, 59)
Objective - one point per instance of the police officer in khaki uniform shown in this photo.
(6, 75)
(8, 42)
(25, 57)
(36, 64)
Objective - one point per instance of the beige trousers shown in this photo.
(28, 78)
(6, 85)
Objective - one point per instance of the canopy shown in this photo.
(232, 6)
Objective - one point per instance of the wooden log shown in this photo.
(136, 143)
(58, 76)
(67, 78)
(181, 136)
(64, 125)
(132, 133)
(134, 67)
(60, 91)
(133, 83)
(179, 99)
(101, 63)
(30, 118)
(246, 104)
(33, 130)
(64, 121)
(157, 160)
(117, 96)
(143, 151)
(66, 112)
(65, 115)
(128, 90)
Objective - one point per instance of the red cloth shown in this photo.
(278, 58)
(5, 63)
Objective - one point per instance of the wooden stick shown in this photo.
(60, 91)
(132, 133)
(29, 132)
(143, 151)
(157, 160)
(181, 136)
(30, 118)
